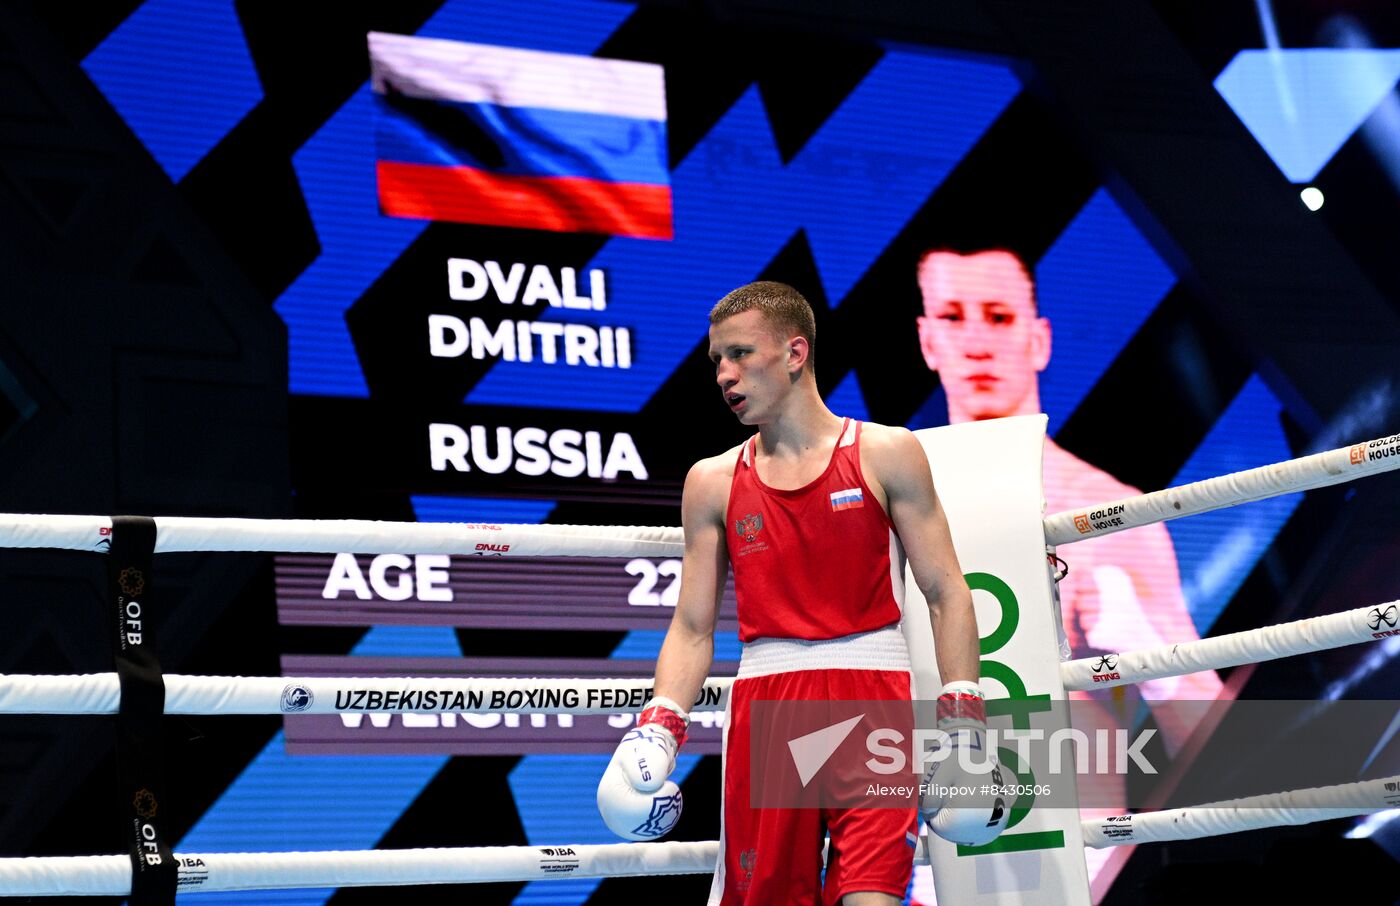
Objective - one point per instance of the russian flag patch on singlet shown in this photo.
(849, 499)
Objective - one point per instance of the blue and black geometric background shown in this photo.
(797, 152)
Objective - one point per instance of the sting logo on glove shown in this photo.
(635, 798)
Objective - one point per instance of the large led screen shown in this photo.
(494, 258)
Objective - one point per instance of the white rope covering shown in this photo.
(1273, 810)
(1251, 646)
(208, 872)
(1303, 474)
(100, 693)
(211, 872)
(185, 533)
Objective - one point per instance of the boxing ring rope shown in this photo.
(1323, 803)
(211, 872)
(100, 693)
(1334, 630)
(1303, 474)
(312, 536)
(200, 533)
(41, 876)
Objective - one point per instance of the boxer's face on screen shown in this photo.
(754, 366)
(981, 334)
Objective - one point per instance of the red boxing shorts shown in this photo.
(774, 855)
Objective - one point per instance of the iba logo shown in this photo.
(749, 527)
(558, 860)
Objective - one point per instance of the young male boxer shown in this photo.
(814, 514)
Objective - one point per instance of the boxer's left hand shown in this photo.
(960, 798)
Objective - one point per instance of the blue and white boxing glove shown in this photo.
(958, 799)
(635, 796)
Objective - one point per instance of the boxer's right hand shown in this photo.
(635, 798)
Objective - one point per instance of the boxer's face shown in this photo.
(755, 366)
(981, 334)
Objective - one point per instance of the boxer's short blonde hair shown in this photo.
(783, 307)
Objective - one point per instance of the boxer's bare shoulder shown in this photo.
(888, 454)
(707, 487)
(886, 440)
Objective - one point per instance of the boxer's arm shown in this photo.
(957, 801)
(903, 471)
(636, 797)
(688, 649)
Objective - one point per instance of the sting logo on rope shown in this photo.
(1388, 617)
(1105, 669)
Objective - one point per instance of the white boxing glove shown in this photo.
(954, 799)
(635, 798)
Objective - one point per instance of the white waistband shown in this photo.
(882, 649)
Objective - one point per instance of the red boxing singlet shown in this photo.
(818, 562)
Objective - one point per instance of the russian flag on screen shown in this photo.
(475, 133)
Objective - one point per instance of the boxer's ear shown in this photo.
(1040, 343)
(799, 350)
(926, 328)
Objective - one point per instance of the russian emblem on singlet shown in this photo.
(749, 527)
